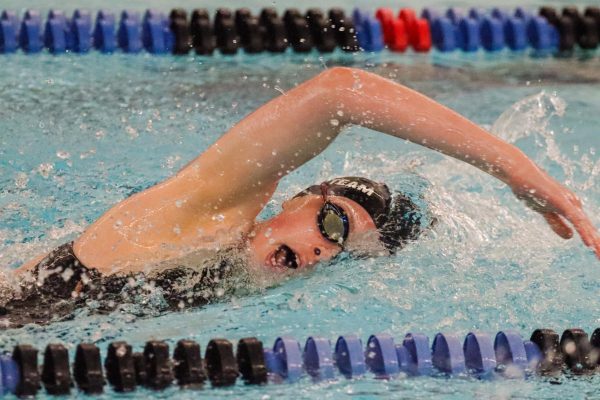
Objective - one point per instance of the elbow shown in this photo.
(335, 85)
(339, 77)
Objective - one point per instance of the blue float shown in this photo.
(9, 32)
(492, 34)
(55, 32)
(153, 32)
(349, 356)
(288, 358)
(523, 14)
(499, 14)
(467, 36)
(317, 358)
(81, 30)
(480, 356)
(129, 35)
(416, 355)
(370, 35)
(271, 363)
(510, 351)
(534, 355)
(477, 14)
(447, 354)
(541, 35)
(358, 17)
(443, 35)
(429, 14)
(104, 32)
(30, 38)
(454, 14)
(381, 357)
(515, 33)
(10, 374)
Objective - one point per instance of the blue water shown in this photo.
(80, 133)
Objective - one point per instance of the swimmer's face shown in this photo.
(293, 240)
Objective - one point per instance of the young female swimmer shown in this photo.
(214, 200)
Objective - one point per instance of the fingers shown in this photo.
(558, 225)
(587, 231)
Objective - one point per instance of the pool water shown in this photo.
(80, 133)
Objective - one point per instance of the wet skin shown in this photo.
(292, 239)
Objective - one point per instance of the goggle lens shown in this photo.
(333, 223)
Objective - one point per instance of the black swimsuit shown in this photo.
(60, 284)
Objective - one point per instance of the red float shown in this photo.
(419, 34)
(395, 34)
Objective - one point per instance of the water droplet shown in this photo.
(63, 155)
(334, 122)
(45, 169)
(21, 180)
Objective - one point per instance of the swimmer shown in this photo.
(213, 202)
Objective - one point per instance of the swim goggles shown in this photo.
(332, 220)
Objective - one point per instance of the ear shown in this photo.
(285, 204)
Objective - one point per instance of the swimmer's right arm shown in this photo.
(291, 129)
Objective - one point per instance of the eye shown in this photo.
(317, 251)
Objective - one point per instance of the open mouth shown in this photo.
(284, 257)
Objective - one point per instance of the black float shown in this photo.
(26, 358)
(250, 31)
(251, 361)
(87, 369)
(548, 342)
(220, 363)
(56, 374)
(203, 40)
(188, 367)
(159, 373)
(576, 348)
(227, 39)
(178, 22)
(275, 35)
(119, 366)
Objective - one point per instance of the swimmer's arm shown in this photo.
(30, 264)
(293, 128)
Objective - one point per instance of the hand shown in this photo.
(557, 204)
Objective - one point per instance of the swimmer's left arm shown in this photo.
(280, 136)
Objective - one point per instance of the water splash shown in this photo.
(529, 116)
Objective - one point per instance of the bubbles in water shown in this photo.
(21, 180)
(132, 132)
(63, 155)
(45, 169)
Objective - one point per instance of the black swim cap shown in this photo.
(397, 219)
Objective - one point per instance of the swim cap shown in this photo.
(397, 219)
